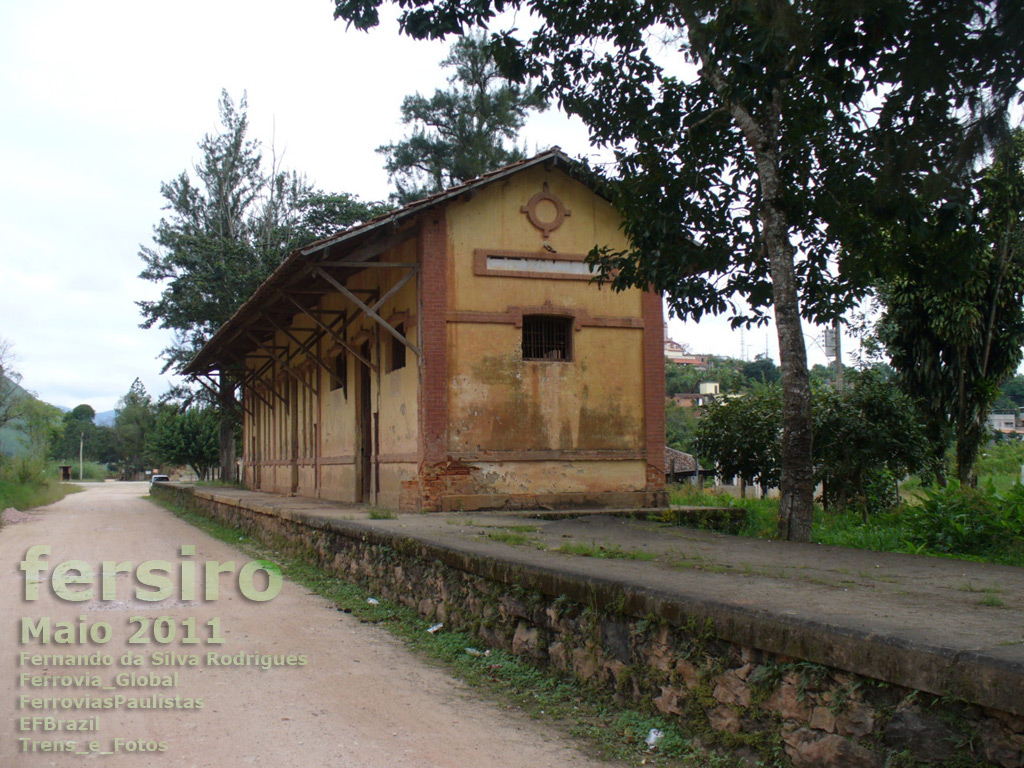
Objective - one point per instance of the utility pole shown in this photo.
(833, 348)
(839, 356)
(81, 444)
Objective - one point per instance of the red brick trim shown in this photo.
(432, 255)
(654, 387)
(480, 264)
(514, 316)
(499, 456)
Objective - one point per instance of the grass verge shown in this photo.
(942, 523)
(24, 496)
(604, 727)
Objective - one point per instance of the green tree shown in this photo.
(321, 214)
(762, 370)
(866, 438)
(133, 424)
(79, 430)
(12, 396)
(459, 133)
(43, 425)
(955, 337)
(741, 436)
(742, 174)
(680, 378)
(190, 437)
(680, 426)
(230, 224)
(1013, 390)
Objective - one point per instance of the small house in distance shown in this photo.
(455, 355)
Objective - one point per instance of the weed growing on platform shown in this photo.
(611, 552)
(992, 602)
(511, 538)
(613, 731)
(379, 513)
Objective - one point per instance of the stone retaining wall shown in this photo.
(741, 700)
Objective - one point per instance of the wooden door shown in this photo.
(364, 451)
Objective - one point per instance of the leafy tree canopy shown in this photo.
(866, 438)
(1013, 390)
(133, 424)
(459, 133)
(741, 436)
(191, 437)
(955, 341)
(763, 370)
(79, 431)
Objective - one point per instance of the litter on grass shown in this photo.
(653, 737)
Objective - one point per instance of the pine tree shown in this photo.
(462, 132)
(230, 223)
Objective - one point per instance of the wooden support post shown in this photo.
(369, 310)
(339, 339)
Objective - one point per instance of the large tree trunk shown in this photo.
(226, 393)
(763, 135)
(969, 436)
(796, 487)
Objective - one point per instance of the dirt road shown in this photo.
(336, 693)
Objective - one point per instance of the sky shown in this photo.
(103, 101)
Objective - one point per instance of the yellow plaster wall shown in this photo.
(325, 421)
(493, 220)
(526, 477)
(498, 402)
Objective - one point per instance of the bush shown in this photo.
(27, 471)
(91, 470)
(971, 522)
(1001, 459)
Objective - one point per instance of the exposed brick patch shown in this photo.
(444, 478)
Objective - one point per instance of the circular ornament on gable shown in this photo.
(545, 211)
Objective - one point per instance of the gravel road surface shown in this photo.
(336, 693)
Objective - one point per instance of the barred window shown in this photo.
(547, 338)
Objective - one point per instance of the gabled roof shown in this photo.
(385, 231)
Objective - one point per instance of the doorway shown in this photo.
(364, 450)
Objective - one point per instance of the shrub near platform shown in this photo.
(973, 522)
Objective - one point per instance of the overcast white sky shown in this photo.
(103, 101)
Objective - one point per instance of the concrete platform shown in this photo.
(943, 626)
